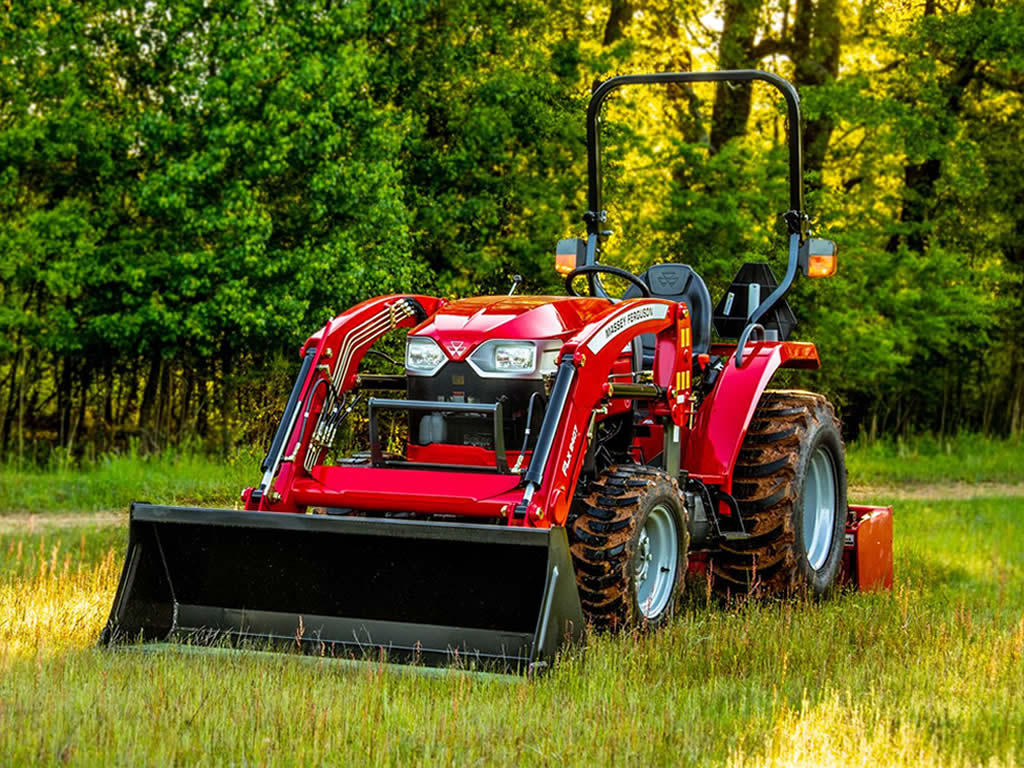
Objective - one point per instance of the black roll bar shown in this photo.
(796, 219)
(595, 215)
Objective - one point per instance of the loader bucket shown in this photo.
(424, 592)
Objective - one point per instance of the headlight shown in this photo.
(505, 357)
(423, 356)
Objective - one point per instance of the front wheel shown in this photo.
(790, 484)
(629, 544)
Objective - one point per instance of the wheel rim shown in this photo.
(656, 561)
(819, 508)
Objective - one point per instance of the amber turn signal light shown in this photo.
(569, 254)
(818, 257)
(821, 266)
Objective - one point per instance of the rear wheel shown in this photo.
(629, 541)
(790, 483)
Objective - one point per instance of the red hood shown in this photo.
(462, 325)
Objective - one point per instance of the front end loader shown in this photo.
(563, 462)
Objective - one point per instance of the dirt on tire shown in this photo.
(603, 532)
(766, 488)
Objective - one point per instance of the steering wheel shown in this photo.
(592, 269)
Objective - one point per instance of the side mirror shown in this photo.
(569, 254)
(818, 257)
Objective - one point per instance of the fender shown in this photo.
(725, 415)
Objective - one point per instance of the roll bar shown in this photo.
(796, 219)
(595, 215)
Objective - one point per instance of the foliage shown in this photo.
(188, 190)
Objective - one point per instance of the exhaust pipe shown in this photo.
(424, 592)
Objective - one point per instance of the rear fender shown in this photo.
(724, 416)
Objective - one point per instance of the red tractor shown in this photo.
(568, 459)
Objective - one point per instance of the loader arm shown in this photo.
(331, 360)
(582, 382)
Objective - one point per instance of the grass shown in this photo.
(929, 674)
(965, 459)
(113, 482)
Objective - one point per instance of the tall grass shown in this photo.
(113, 482)
(929, 674)
(925, 459)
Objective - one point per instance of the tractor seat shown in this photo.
(677, 282)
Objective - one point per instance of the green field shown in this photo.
(112, 482)
(930, 674)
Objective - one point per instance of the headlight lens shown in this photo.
(505, 357)
(423, 356)
(514, 357)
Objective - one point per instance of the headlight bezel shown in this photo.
(484, 359)
(543, 357)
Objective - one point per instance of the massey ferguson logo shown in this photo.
(612, 328)
(666, 279)
(572, 447)
(625, 321)
(456, 348)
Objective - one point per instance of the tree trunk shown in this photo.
(735, 51)
(149, 394)
(920, 178)
(227, 399)
(619, 17)
(10, 412)
(64, 405)
(817, 35)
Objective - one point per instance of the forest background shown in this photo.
(188, 189)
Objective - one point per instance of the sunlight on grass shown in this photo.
(834, 733)
(51, 600)
(929, 674)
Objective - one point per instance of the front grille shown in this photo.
(459, 383)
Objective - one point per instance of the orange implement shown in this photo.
(867, 559)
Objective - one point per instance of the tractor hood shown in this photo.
(460, 327)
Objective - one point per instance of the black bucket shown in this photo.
(426, 592)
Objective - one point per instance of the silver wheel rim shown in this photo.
(819, 508)
(656, 561)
